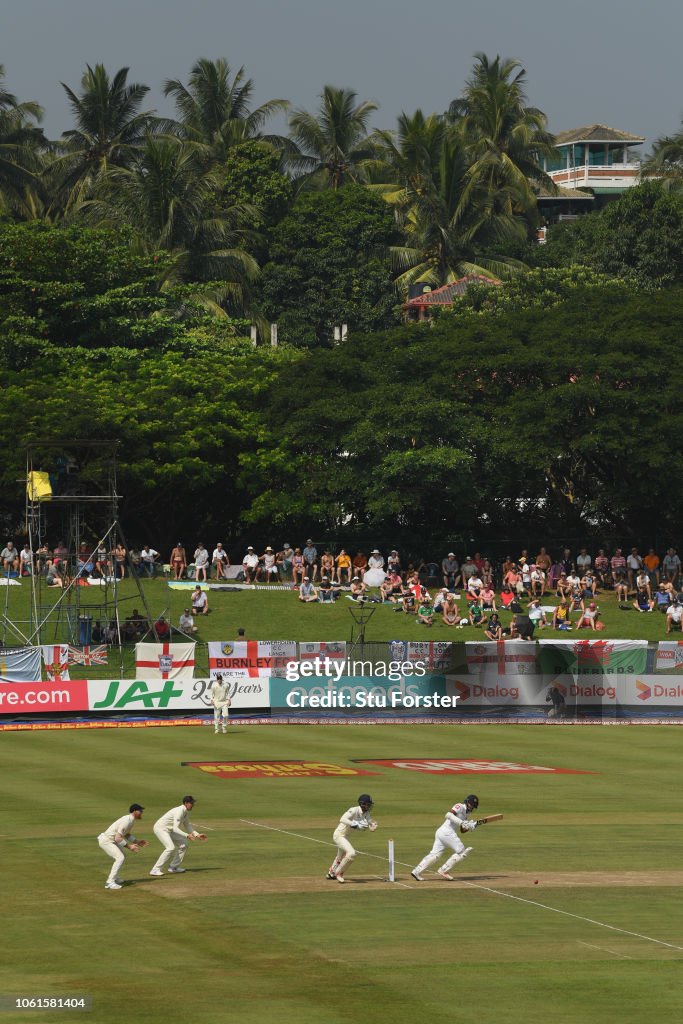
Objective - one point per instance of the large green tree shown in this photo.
(215, 108)
(108, 127)
(332, 145)
(329, 265)
(21, 143)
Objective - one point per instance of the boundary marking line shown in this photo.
(483, 888)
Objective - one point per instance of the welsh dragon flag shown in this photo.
(592, 657)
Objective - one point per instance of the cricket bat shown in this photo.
(489, 817)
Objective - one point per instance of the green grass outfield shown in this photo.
(253, 933)
(278, 615)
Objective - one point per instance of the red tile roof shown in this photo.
(445, 295)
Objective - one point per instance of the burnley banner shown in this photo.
(250, 658)
(164, 661)
(56, 661)
(20, 664)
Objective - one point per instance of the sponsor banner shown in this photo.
(165, 661)
(433, 655)
(498, 691)
(501, 658)
(56, 661)
(274, 769)
(334, 650)
(657, 690)
(360, 693)
(448, 766)
(669, 656)
(174, 694)
(38, 697)
(88, 655)
(250, 658)
(592, 657)
(20, 664)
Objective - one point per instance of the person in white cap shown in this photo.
(119, 838)
(220, 698)
(268, 565)
(220, 560)
(450, 567)
(174, 830)
(357, 817)
(376, 559)
(250, 565)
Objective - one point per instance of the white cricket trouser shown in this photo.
(445, 838)
(113, 850)
(173, 843)
(221, 711)
(345, 854)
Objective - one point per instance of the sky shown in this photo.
(615, 63)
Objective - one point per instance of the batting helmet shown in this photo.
(472, 800)
(365, 798)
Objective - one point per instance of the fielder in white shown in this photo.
(357, 817)
(446, 838)
(219, 694)
(118, 838)
(174, 830)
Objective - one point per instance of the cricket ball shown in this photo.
(536, 882)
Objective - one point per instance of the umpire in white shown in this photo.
(220, 698)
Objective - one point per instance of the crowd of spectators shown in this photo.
(426, 589)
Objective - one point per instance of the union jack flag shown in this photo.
(88, 655)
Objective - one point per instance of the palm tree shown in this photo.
(452, 223)
(333, 147)
(21, 143)
(666, 161)
(506, 137)
(109, 128)
(170, 200)
(214, 107)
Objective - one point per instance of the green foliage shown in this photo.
(329, 264)
(638, 237)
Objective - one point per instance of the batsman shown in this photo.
(446, 838)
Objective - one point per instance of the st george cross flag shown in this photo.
(164, 661)
(88, 655)
(20, 664)
(250, 658)
(56, 661)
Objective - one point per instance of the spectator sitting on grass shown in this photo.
(440, 599)
(589, 618)
(493, 629)
(357, 589)
(643, 583)
(643, 601)
(200, 602)
(391, 588)
(589, 586)
(307, 591)
(561, 618)
(476, 615)
(409, 600)
(674, 615)
(488, 598)
(186, 622)
(662, 598)
(162, 628)
(325, 592)
(425, 613)
(536, 613)
(449, 610)
(621, 586)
